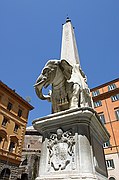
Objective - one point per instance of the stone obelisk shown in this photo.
(73, 135)
(69, 49)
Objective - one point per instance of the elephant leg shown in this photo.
(74, 102)
(55, 102)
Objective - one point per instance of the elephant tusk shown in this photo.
(38, 88)
(39, 83)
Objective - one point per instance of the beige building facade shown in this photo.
(29, 166)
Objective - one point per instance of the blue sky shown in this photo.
(30, 35)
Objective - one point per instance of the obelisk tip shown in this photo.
(68, 19)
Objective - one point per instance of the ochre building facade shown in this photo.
(106, 103)
(14, 112)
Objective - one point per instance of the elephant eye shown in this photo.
(45, 71)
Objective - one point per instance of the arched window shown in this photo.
(13, 144)
(3, 138)
(112, 178)
(3, 133)
(24, 176)
(5, 174)
(24, 162)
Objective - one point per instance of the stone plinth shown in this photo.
(72, 145)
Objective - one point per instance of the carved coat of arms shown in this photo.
(61, 150)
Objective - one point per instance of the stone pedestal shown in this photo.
(72, 145)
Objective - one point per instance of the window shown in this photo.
(24, 176)
(97, 103)
(28, 146)
(9, 106)
(117, 113)
(112, 178)
(5, 174)
(106, 144)
(110, 163)
(19, 112)
(0, 139)
(111, 87)
(115, 97)
(24, 162)
(4, 122)
(95, 93)
(16, 128)
(102, 118)
(12, 146)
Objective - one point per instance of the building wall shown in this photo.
(113, 172)
(31, 154)
(104, 105)
(14, 112)
(12, 167)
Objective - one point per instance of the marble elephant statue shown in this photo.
(66, 89)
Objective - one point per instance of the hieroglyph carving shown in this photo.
(61, 150)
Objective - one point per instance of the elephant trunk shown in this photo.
(38, 88)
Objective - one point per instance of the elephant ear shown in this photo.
(66, 69)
